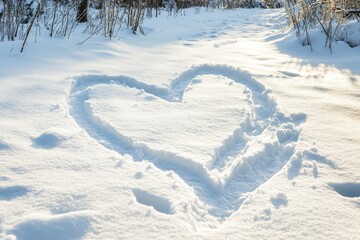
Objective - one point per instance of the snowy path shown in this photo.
(177, 134)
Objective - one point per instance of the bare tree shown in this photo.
(82, 11)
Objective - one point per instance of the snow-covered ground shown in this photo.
(216, 125)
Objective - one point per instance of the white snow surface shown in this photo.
(214, 125)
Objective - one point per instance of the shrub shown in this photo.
(304, 15)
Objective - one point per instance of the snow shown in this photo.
(350, 33)
(61, 226)
(347, 189)
(49, 139)
(280, 199)
(223, 129)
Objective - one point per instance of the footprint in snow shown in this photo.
(347, 189)
(158, 203)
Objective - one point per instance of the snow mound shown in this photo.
(73, 225)
(49, 139)
(350, 33)
(294, 165)
(280, 199)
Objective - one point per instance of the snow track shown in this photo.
(257, 149)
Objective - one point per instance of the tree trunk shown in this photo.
(82, 13)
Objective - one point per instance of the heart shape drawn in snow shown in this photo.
(216, 126)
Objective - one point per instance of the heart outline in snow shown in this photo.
(225, 186)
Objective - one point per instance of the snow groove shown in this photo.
(256, 151)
